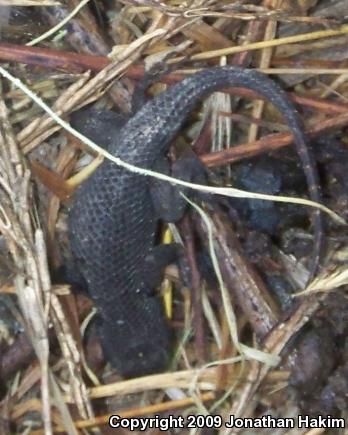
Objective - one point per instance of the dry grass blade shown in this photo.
(272, 43)
(56, 28)
(81, 93)
(24, 242)
(41, 3)
(137, 412)
(275, 343)
(245, 351)
(327, 281)
(205, 380)
(32, 280)
(72, 359)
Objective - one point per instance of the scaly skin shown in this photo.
(112, 222)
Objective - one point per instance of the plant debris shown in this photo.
(251, 341)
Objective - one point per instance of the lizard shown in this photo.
(113, 218)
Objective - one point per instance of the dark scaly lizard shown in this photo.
(112, 222)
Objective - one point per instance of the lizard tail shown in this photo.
(160, 119)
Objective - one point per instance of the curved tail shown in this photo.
(148, 134)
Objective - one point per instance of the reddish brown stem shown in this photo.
(239, 276)
(268, 143)
(77, 63)
(52, 59)
(196, 288)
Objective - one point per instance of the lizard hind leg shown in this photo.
(169, 204)
(136, 341)
(99, 125)
(156, 261)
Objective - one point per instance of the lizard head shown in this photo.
(136, 354)
(143, 358)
